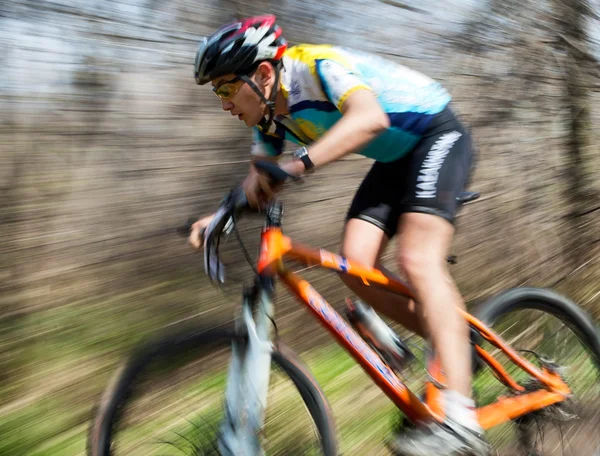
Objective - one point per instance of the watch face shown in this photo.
(300, 153)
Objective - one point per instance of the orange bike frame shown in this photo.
(275, 247)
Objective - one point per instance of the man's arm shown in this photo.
(362, 120)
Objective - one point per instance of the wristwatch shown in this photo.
(302, 155)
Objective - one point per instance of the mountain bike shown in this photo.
(170, 395)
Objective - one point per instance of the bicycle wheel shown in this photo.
(168, 399)
(548, 325)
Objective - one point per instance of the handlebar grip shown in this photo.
(273, 170)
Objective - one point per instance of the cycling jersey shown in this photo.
(316, 81)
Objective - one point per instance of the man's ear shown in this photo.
(264, 73)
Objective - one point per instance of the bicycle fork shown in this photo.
(248, 378)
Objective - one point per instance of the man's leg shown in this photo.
(439, 169)
(372, 220)
(365, 243)
(423, 243)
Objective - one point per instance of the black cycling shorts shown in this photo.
(428, 179)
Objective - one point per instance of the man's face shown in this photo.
(240, 100)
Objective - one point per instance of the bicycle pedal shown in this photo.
(378, 334)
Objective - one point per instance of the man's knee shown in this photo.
(360, 254)
(363, 242)
(416, 264)
(423, 243)
(353, 253)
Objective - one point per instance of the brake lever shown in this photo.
(228, 228)
(223, 223)
(212, 264)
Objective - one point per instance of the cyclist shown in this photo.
(333, 101)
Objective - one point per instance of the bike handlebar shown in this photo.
(232, 206)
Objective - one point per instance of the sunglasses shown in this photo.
(227, 89)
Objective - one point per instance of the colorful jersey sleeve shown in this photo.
(316, 81)
(338, 81)
(264, 145)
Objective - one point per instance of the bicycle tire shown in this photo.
(535, 302)
(201, 341)
(546, 301)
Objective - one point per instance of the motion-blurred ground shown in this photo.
(107, 144)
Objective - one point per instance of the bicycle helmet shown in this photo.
(237, 48)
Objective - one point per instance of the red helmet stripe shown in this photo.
(256, 21)
(280, 52)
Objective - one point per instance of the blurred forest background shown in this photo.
(107, 145)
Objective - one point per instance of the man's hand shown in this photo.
(194, 237)
(293, 167)
(259, 190)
